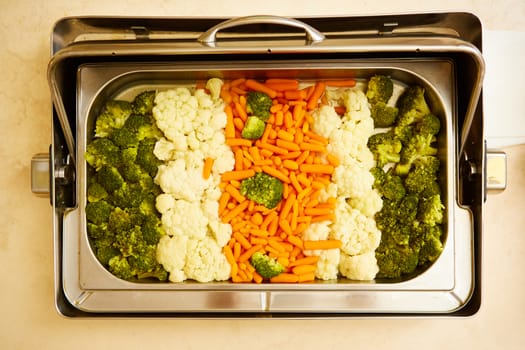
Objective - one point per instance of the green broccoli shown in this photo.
(124, 138)
(113, 116)
(392, 187)
(104, 250)
(96, 192)
(263, 189)
(119, 220)
(403, 133)
(129, 155)
(145, 157)
(119, 266)
(417, 147)
(380, 88)
(394, 262)
(385, 147)
(258, 104)
(412, 105)
(129, 195)
(143, 126)
(253, 128)
(109, 177)
(100, 152)
(384, 116)
(430, 210)
(152, 229)
(98, 212)
(143, 103)
(379, 177)
(428, 125)
(422, 179)
(96, 231)
(266, 266)
(430, 242)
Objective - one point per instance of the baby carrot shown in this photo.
(255, 85)
(316, 94)
(208, 164)
(322, 244)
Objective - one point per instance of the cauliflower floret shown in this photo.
(185, 218)
(326, 121)
(356, 104)
(369, 204)
(352, 180)
(357, 233)
(205, 261)
(347, 145)
(164, 149)
(182, 181)
(171, 253)
(317, 231)
(328, 264)
(164, 202)
(214, 86)
(361, 267)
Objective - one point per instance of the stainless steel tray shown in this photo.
(444, 287)
(405, 44)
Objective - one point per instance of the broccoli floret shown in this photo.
(100, 152)
(152, 229)
(129, 155)
(109, 177)
(124, 138)
(258, 104)
(266, 266)
(430, 242)
(417, 147)
(380, 89)
(379, 177)
(143, 102)
(113, 116)
(428, 125)
(253, 128)
(119, 221)
(133, 173)
(130, 195)
(142, 126)
(385, 148)
(263, 189)
(104, 250)
(119, 266)
(412, 105)
(408, 209)
(130, 242)
(404, 133)
(98, 212)
(392, 187)
(422, 179)
(145, 157)
(96, 192)
(394, 262)
(430, 210)
(96, 231)
(383, 115)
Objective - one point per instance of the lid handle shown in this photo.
(210, 36)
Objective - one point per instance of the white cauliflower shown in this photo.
(182, 180)
(185, 218)
(326, 121)
(353, 180)
(361, 267)
(171, 253)
(191, 258)
(193, 125)
(328, 264)
(356, 104)
(357, 233)
(214, 86)
(369, 205)
(205, 261)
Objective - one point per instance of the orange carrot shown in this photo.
(316, 94)
(255, 85)
(285, 278)
(237, 175)
(208, 164)
(322, 244)
(317, 168)
(340, 83)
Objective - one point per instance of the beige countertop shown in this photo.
(28, 317)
